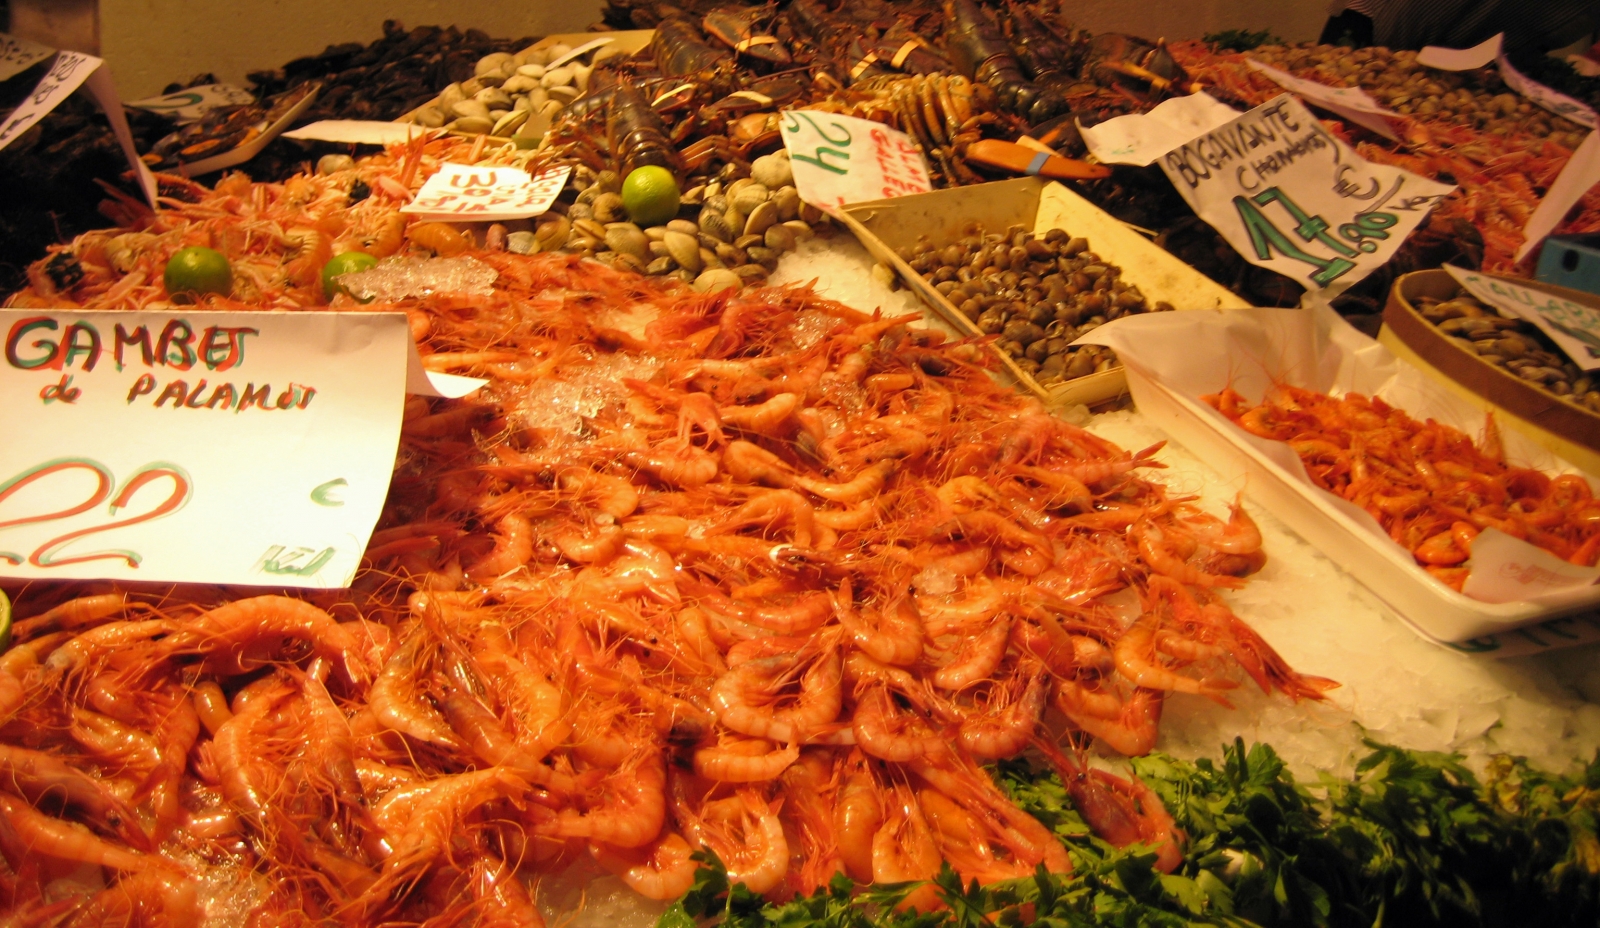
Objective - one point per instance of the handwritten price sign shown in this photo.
(18, 55)
(1574, 327)
(1289, 196)
(840, 159)
(464, 192)
(188, 106)
(250, 448)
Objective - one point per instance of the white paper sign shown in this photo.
(1350, 102)
(1291, 197)
(1582, 171)
(1460, 59)
(1141, 138)
(248, 448)
(1574, 327)
(356, 132)
(69, 71)
(841, 159)
(188, 106)
(18, 55)
(1521, 571)
(467, 193)
(1539, 94)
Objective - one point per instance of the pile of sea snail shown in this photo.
(1514, 344)
(506, 90)
(742, 226)
(1038, 293)
(1395, 80)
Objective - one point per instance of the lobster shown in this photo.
(636, 134)
(979, 51)
(737, 29)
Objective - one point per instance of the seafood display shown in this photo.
(747, 572)
(1430, 486)
(711, 569)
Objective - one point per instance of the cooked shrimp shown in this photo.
(231, 636)
(892, 633)
(660, 870)
(903, 849)
(865, 485)
(753, 464)
(857, 816)
(676, 464)
(72, 614)
(976, 657)
(744, 698)
(887, 733)
(399, 704)
(513, 546)
(421, 825)
(37, 775)
(1153, 546)
(1126, 726)
(1003, 727)
(1135, 658)
(53, 837)
(744, 761)
(630, 813)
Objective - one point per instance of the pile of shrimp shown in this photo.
(1502, 176)
(277, 236)
(1428, 484)
(752, 573)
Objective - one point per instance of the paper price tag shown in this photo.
(188, 106)
(840, 159)
(1574, 328)
(465, 193)
(250, 448)
(1291, 197)
(357, 132)
(18, 55)
(1350, 102)
(69, 72)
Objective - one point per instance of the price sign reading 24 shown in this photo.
(51, 552)
(1357, 236)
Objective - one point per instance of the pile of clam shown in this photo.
(513, 95)
(1038, 293)
(1514, 344)
(730, 231)
(1395, 80)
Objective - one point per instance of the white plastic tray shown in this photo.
(1432, 609)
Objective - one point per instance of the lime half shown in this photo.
(5, 621)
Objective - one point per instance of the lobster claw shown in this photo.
(736, 28)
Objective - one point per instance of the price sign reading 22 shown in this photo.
(50, 553)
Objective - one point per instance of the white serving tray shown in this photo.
(1429, 607)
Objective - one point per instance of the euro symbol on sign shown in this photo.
(324, 494)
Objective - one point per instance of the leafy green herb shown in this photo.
(1413, 838)
(1239, 40)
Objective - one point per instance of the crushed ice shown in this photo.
(401, 278)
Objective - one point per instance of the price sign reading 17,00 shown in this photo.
(1291, 197)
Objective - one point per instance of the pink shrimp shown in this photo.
(866, 484)
(765, 418)
(903, 850)
(886, 732)
(893, 634)
(1153, 548)
(629, 813)
(748, 835)
(37, 775)
(420, 825)
(1126, 726)
(232, 636)
(744, 697)
(1002, 728)
(753, 464)
(1239, 536)
(676, 464)
(744, 761)
(772, 508)
(52, 837)
(857, 816)
(976, 657)
(660, 870)
(1135, 657)
(1123, 812)
(513, 546)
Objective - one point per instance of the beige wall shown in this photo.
(150, 43)
(153, 42)
(1292, 20)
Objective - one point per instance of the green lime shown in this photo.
(198, 270)
(5, 621)
(348, 263)
(650, 194)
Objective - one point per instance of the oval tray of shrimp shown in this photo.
(1463, 529)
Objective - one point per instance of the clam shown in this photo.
(628, 239)
(553, 233)
(773, 171)
(491, 62)
(780, 238)
(716, 225)
(472, 125)
(608, 206)
(522, 243)
(684, 249)
(510, 122)
(718, 279)
(787, 200)
(749, 196)
(761, 218)
(471, 108)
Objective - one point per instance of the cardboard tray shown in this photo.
(1567, 430)
(629, 40)
(255, 146)
(1430, 608)
(885, 226)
